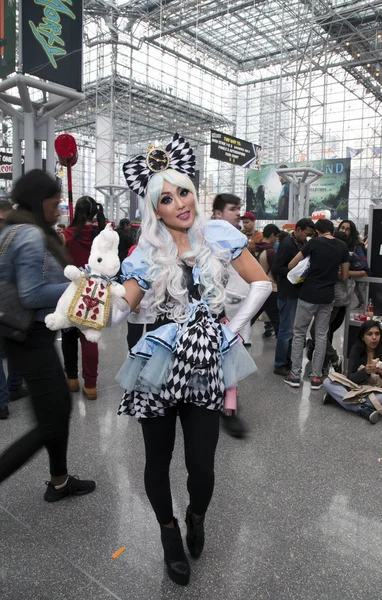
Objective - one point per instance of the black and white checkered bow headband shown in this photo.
(178, 155)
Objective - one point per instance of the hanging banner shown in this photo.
(268, 192)
(6, 164)
(7, 37)
(230, 149)
(52, 40)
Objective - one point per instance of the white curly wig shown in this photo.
(165, 272)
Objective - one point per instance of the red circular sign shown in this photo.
(66, 149)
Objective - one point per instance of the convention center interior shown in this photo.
(190, 299)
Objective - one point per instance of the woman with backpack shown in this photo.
(78, 238)
(33, 261)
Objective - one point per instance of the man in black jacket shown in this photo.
(287, 292)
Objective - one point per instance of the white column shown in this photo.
(29, 142)
(50, 153)
(16, 149)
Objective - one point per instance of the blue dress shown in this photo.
(194, 361)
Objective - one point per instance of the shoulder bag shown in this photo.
(15, 319)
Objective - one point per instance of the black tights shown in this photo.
(37, 361)
(201, 434)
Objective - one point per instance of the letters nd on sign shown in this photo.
(48, 31)
(52, 40)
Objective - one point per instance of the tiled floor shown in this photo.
(295, 515)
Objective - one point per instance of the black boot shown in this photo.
(195, 534)
(178, 567)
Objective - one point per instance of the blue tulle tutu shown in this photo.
(150, 363)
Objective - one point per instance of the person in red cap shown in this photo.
(254, 236)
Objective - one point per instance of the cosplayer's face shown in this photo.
(176, 207)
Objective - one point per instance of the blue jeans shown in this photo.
(10, 384)
(338, 392)
(287, 310)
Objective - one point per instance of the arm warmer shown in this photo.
(257, 295)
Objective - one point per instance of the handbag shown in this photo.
(15, 319)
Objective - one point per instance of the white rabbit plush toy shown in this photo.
(88, 300)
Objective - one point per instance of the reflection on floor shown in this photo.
(294, 515)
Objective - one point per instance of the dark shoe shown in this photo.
(316, 383)
(4, 412)
(368, 412)
(309, 348)
(234, 426)
(292, 381)
(284, 371)
(338, 366)
(74, 487)
(21, 392)
(178, 567)
(195, 534)
(328, 399)
(268, 333)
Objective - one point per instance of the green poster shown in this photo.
(268, 193)
(7, 37)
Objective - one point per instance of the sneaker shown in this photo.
(74, 487)
(73, 384)
(292, 381)
(4, 412)
(327, 399)
(374, 417)
(21, 392)
(234, 426)
(368, 412)
(316, 383)
(338, 366)
(268, 333)
(284, 371)
(90, 393)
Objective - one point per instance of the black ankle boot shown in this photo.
(195, 534)
(178, 567)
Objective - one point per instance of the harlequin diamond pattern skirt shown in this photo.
(196, 374)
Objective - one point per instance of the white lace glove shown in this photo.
(257, 295)
(119, 311)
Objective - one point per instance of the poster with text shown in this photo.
(268, 193)
(52, 40)
(7, 37)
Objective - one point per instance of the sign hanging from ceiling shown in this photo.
(52, 40)
(7, 37)
(230, 149)
(6, 165)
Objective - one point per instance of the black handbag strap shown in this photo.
(8, 238)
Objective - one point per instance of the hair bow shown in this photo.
(177, 155)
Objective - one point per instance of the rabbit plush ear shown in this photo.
(107, 240)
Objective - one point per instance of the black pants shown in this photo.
(271, 309)
(201, 434)
(37, 361)
(135, 332)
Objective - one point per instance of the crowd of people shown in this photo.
(190, 360)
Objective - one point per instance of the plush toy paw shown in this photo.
(72, 273)
(118, 291)
(56, 321)
(92, 335)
